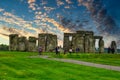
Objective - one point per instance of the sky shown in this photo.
(31, 17)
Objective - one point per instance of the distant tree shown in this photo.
(4, 47)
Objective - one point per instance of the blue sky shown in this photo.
(30, 17)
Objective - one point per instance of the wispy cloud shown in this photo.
(17, 21)
(59, 26)
(1, 10)
(69, 1)
(60, 3)
(32, 4)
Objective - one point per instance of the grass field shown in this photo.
(109, 59)
(18, 66)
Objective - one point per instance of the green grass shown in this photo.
(109, 59)
(18, 66)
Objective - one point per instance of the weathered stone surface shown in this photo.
(47, 41)
(114, 46)
(13, 42)
(87, 41)
(51, 42)
(94, 49)
(98, 37)
(91, 40)
(101, 46)
(32, 44)
(84, 40)
(23, 44)
(41, 41)
(80, 42)
(67, 44)
(101, 43)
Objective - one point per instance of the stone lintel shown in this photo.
(44, 34)
(22, 39)
(69, 34)
(81, 32)
(32, 39)
(11, 35)
(89, 32)
(98, 37)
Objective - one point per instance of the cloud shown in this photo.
(60, 3)
(69, 1)
(32, 4)
(44, 2)
(48, 9)
(7, 31)
(59, 26)
(10, 18)
(1, 10)
(43, 23)
(31, 1)
(67, 7)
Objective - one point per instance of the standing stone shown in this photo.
(73, 42)
(86, 43)
(32, 44)
(42, 41)
(13, 42)
(101, 46)
(84, 40)
(114, 46)
(80, 41)
(67, 44)
(99, 43)
(22, 45)
(94, 49)
(91, 41)
(51, 42)
(47, 41)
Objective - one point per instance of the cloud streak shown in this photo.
(46, 19)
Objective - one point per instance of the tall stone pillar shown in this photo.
(101, 46)
(47, 41)
(86, 43)
(13, 42)
(55, 41)
(32, 44)
(51, 42)
(66, 42)
(114, 46)
(42, 41)
(94, 40)
(73, 43)
(89, 41)
(91, 49)
(84, 40)
(22, 45)
(80, 40)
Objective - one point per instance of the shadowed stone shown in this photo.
(67, 43)
(32, 44)
(13, 42)
(23, 44)
(47, 41)
(114, 46)
(90, 41)
(41, 41)
(84, 40)
(101, 43)
(80, 42)
(101, 46)
(51, 42)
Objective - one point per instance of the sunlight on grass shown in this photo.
(20, 67)
(109, 59)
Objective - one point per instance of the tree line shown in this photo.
(4, 47)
